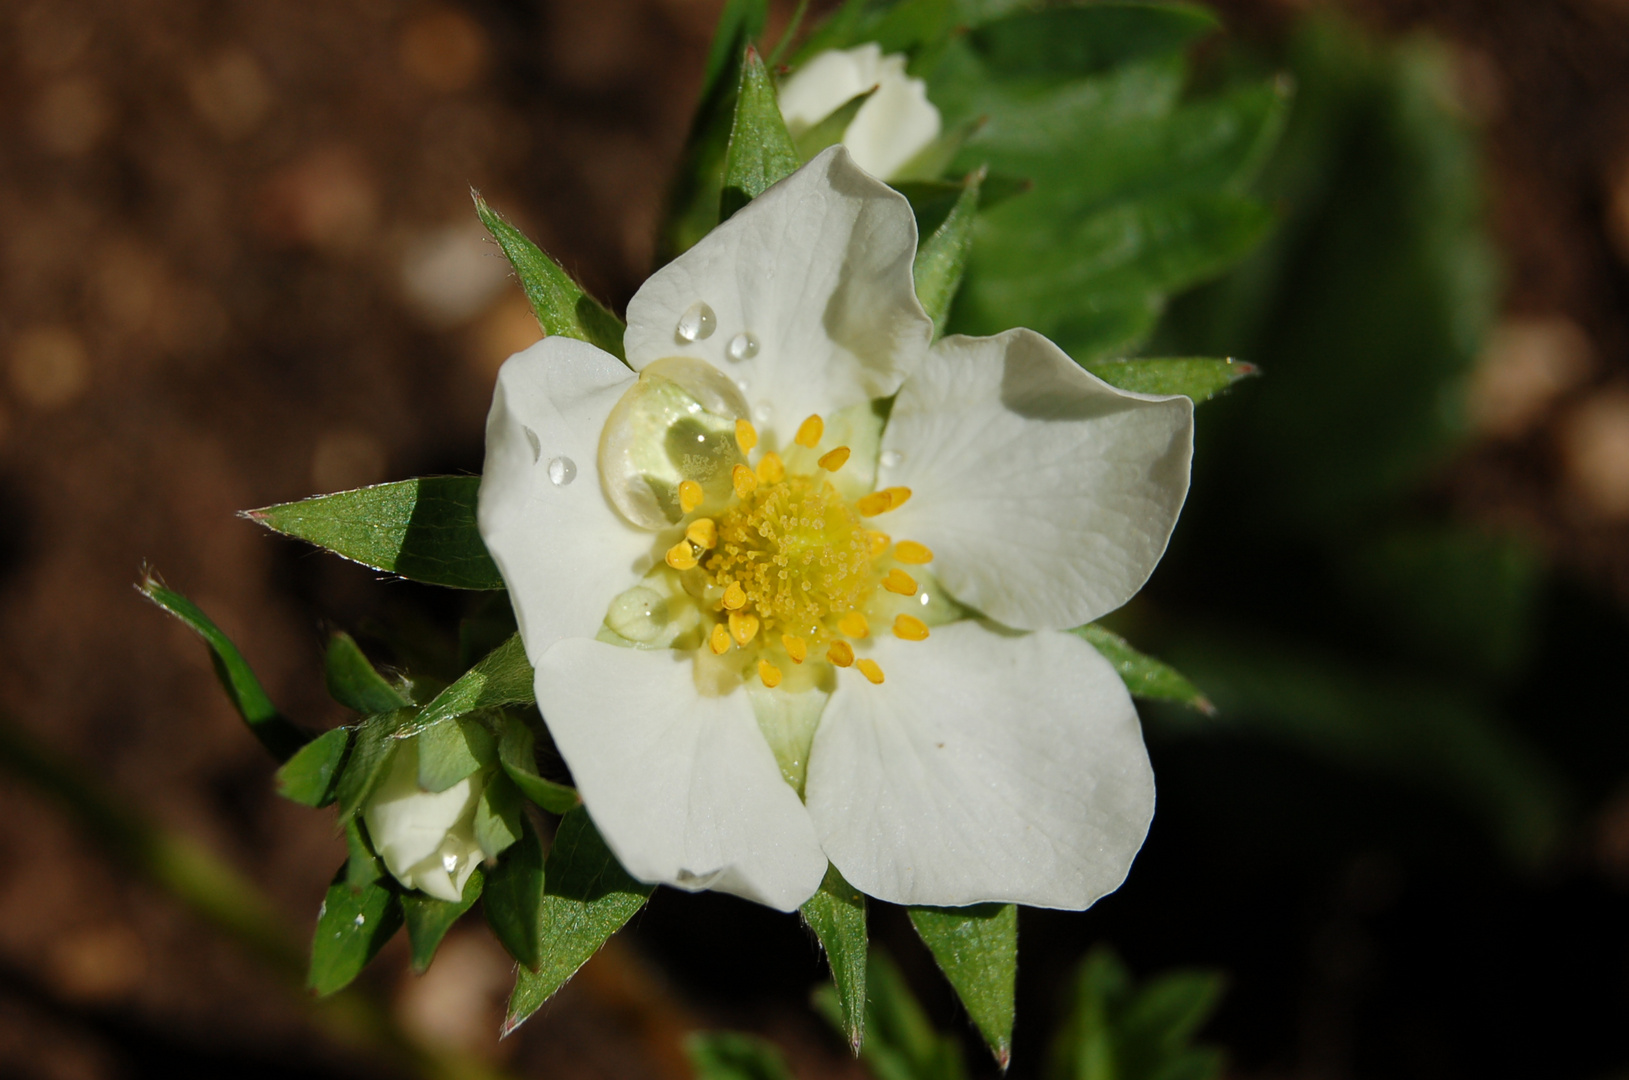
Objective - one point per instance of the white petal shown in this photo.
(562, 549)
(818, 270)
(988, 766)
(826, 83)
(1046, 494)
(683, 787)
(408, 824)
(893, 126)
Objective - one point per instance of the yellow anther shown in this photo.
(879, 542)
(703, 533)
(690, 495)
(897, 496)
(796, 647)
(769, 673)
(681, 556)
(854, 625)
(746, 436)
(771, 469)
(910, 628)
(841, 653)
(898, 581)
(878, 502)
(744, 480)
(809, 432)
(735, 597)
(870, 669)
(909, 551)
(719, 640)
(835, 459)
(743, 628)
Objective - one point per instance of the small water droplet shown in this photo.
(890, 458)
(360, 919)
(743, 346)
(923, 598)
(536, 445)
(697, 323)
(742, 385)
(449, 862)
(763, 412)
(562, 471)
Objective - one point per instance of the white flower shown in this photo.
(427, 839)
(797, 626)
(894, 125)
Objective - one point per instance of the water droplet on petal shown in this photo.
(743, 346)
(697, 323)
(562, 471)
(890, 458)
(743, 384)
(449, 862)
(763, 412)
(533, 441)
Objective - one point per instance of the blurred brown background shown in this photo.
(238, 265)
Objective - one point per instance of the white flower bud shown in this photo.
(894, 125)
(427, 839)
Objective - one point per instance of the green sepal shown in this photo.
(311, 776)
(517, 755)
(1144, 676)
(561, 305)
(900, 1042)
(428, 919)
(837, 915)
(451, 751)
(502, 677)
(730, 1055)
(375, 742)
(354, 682)
(513, 899)
(977, 949)
(589, 897)
(352, 926)
(422, 529)
(829, 132)
(1199, 378)
(498, 815)
(941, 258)
(362, 864)
(760, 152)
(272, 728)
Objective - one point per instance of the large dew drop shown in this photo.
(696, 324)
(562, 471)
(743, 346)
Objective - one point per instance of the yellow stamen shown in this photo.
(910, 628)
(879, 542)
(743, 628)
(719, 640)
(897, 496)
(690, 495)
(898, 581)
(854, 625)
(841, 653)
(743, 479)
(681, 556)
(834, 460)
(769, 673)
(796, 647)
(771, 470)
(878, 502)
(703, 533)
(870, 669)
(809, 432)
(909, 551)
(735, 597)
(746, 436)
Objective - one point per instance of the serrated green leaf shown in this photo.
(362, 864)
(275, 732)
(352, 926)
(836, 914)
(760, 151)
(941, 258)
(1144, 676)
(311, 776)
(517, 754)
(498, 815)
(589, 897)
(353, 680)
(429, 919)
(829, 132)
(977, 949)
(450, 751)
(562, 307)
(503, 677)
(729, 1055)
(513, 898)
(371, 749)
(421, 529)
(1199, 378)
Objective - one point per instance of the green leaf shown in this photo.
(1144, 676)
(941, 259)
(829, 132)
(977, 949)
(421, 529)
(353, 681)
(727, 1055)
(371, 751)
(352, 926)
(589, 896)
(900, 1042)
(1072, 41)
(498, 815)
(311, 776)
(451, 751)
(429, 919)
(1199, 378)
(837, 916)
(274, 730)
(513, 899)
(760, 151)
(560, 304)
(517, 754)
(503, 677)
(1116, 1030)
(362, 865)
